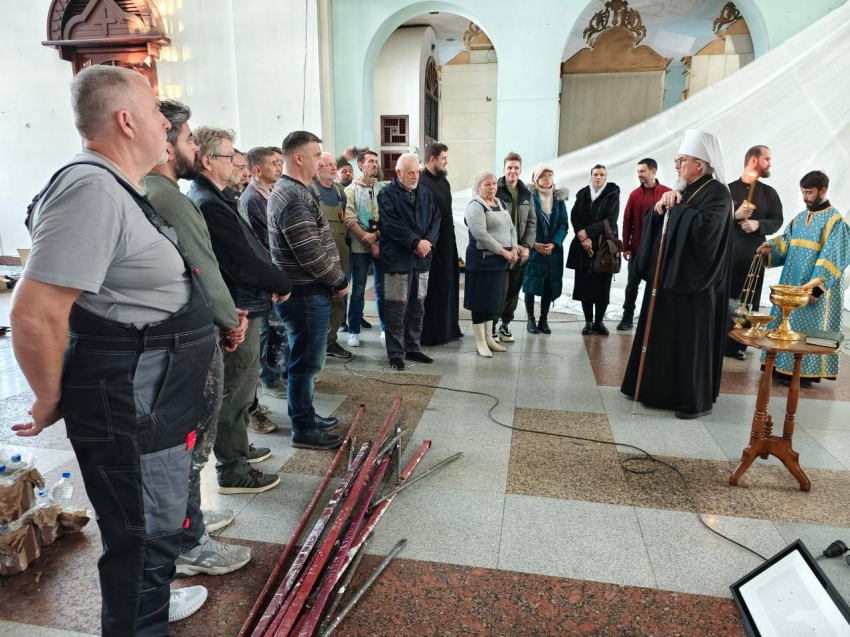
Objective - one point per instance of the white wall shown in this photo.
(236, 64)
(36, 124)
(468, 120)
(399, 82)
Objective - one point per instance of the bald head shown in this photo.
(326, 169)
(98, 93)
(407, 171)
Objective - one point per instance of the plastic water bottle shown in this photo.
(5, 480)
(16, 464)
(63, 491)
(43, 500)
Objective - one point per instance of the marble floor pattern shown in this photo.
(527, 534)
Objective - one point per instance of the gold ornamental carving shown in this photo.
(728, 14)
(616, 13)
(474, 39)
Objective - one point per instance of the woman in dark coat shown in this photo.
(544, 271)
(594, 204)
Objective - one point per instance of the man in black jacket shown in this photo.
(520, 202)
(409, 226)
(252, 280)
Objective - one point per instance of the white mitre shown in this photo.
(707, 147)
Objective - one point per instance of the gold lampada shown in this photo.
(758, 321)
(787, 298)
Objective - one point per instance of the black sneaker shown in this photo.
(626, 324)
(505, 334)
(258, 454)
(315, 439)
(336, 350)
(255, 481)
(397, 364)
(419, 357)
(366, 325)
(343, 328)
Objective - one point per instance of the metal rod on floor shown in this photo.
(392, 443)
(401, 488)
(398, 457)
(263, 599)
(362, 590)
(350, 571)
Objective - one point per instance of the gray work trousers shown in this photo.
(404, 310)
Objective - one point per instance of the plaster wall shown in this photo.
(399, 83)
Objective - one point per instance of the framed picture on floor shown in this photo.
(790, 596)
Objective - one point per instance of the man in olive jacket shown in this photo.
(520, 202)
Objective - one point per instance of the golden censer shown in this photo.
(747, 302)
(787, 298)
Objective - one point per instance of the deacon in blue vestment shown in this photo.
(815, 245)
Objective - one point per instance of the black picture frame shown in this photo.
(800, 547)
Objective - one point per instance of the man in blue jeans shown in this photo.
(361, 219)
(302, 245)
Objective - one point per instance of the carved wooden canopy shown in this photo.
(615, 52)
(615, 14)
(123, 32)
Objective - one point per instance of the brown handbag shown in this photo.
(607, 259)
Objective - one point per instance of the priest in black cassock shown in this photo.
(754, 220)
(684, 356)
(441, 304)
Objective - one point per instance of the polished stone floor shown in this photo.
(526, 534)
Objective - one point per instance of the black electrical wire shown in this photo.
(654, 463)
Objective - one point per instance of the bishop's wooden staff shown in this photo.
(655, 279)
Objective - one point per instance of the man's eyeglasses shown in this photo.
(227, 157)
(680, 160)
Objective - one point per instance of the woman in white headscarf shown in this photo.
(595, 204)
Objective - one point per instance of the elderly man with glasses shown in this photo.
(253, 281)
(684, 355)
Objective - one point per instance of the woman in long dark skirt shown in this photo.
(596, 203)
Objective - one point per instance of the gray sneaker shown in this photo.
(212, 557)
(255, 481)
(258, 454)
(185, 601)
(260, 423)
(217, 519)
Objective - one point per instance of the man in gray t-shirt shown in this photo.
(129, 381)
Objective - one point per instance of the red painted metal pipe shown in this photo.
(283, 591)
(325, 549)
(263, 599)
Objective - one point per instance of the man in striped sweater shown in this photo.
(302, 245)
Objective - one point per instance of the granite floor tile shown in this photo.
(378, 400)
(555, 467)
(665, 436)
(608, 357)
(582, 540)
(688, 558)
(14, 410)
(457, 415)
(46, 459)
(765, 492)
(12, 382)
(733, 439)
(30, 630)
(483, 466)
(817, 538)
(443, 525)
(838, 443)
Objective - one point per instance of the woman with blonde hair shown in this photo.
(544, 272)
(491, 251)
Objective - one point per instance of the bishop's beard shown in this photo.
(681, 184)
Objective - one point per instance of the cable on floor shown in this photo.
(626, 463)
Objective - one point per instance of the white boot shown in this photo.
(492, 343)
(480, 340)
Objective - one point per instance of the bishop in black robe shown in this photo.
(442, 305)
(684, 356)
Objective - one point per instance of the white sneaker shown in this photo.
(185, 601)
(354, 340)
(217, 520)
(383, 338)
(212, 557)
